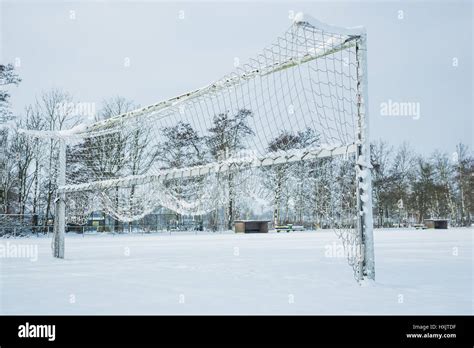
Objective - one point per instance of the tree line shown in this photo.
(410, 187)
(407, 187)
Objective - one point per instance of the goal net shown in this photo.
(284, 135)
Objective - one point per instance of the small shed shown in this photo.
(251, 226)
(436, 223)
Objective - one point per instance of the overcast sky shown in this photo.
(410, 59)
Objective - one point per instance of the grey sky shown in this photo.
(410, 59)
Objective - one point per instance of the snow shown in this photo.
(59, 134)
(299, 17)
(417, 272)
(362, 162)
(8, 125)
(65, 133)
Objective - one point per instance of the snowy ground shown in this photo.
(418, 272)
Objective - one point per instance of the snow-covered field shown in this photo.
(418, 272)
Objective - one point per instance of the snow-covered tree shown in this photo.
(8, 77)
(287, 180)
(464, 181)
(227, 136)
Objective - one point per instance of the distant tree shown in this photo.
(27, 156)
(8, 172)
(115, 154)
(402, 174)
(424, 190)
(8, 76)
(382, 179)
(106, 154)
(49, 108)
(227, 136)
(445, 206)
(464, 180)
(181, 147)
(228, 133)
(288, 180)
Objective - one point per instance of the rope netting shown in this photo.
(298, 97)
(276, 137)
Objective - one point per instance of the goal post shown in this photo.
(60, 204)
(287, 131)
(364, 178)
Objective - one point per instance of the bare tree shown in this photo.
(286, 180)
(380, 153)
(8, 77)
(402, 175)
(227, 136)
(50, 107)
(464, 177)
(181, 147)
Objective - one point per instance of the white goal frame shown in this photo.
(357, 39)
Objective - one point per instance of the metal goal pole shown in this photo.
(364, 177)
(60, 204)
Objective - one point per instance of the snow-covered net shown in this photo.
(277, 137)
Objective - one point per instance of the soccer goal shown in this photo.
(287, 130)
